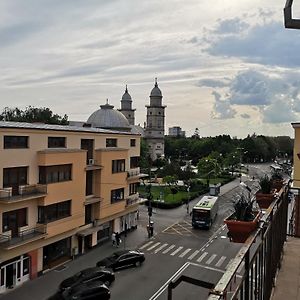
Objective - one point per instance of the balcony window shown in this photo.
(52, 174)
(14, 177)
(132, 142)
(53, 212)
(15, 142)
(133, 188)
(12, 220)
(111, 142)
(56, 142)
(117, 195)
(134, 162)
(118, 166)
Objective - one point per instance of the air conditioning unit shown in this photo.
(91, 161)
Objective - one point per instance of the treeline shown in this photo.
(254, 148)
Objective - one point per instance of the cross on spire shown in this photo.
(156, 82)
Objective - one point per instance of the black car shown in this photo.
(87, 275)
(122, 259)
(87, 291)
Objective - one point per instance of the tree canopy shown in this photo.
(33, 114)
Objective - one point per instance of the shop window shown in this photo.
(52, 174)
(56, 142)
(118, 166)
(15, 142)
(117, 195)
(111, 142)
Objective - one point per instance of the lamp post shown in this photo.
(150, 224)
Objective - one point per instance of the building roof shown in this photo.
(126, 96)
(156, 92)
(39, 126)
(207, 202)
(108, 118)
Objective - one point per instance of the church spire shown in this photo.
(126, 90)
(156, 85)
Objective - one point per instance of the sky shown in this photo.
(225, 67)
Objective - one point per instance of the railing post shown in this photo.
(247, 270)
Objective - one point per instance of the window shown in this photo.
(56, 142)
(15, 142)
(133, 188)
(14, 219)
(117, 195)
(111, 142)
(118, 166)
(53, 212)
(132, 142)
(52, 174)
(134, 162)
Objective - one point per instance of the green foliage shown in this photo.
(243, 209)
(265, 184)
(33, 114)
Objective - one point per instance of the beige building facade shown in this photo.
(63, 190)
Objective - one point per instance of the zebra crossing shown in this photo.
(200, 256)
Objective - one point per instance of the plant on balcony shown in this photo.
(277, 181)
(243, 220)
(265, 196)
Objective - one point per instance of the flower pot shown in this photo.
(264, 200)
(239, 231)
(277, 184)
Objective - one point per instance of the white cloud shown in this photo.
(222, 108)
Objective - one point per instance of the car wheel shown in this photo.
(137, 263)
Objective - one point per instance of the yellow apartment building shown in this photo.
(63, 190)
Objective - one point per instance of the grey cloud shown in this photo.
(231, 26)
(214, 83)
(268, 43)
(222, 108)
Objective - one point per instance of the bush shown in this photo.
(265, 184)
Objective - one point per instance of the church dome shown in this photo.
(108, 118)
(126, 96)
(156, 92)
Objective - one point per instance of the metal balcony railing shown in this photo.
(258, 259)
(133, 199)
(26, 235)
(24, 192)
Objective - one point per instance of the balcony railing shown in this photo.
(135, 173)
(24, 236)
(133, 199)
(25, 192)
(259, 260)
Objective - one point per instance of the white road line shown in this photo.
(160, 248)
(153, 246)
(202, 256)
(185, 252)
(168, 249)
(146, 245)
(209, 261)
(176, 251)
(194, 254)
(220, 261)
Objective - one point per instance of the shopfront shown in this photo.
(14, 272)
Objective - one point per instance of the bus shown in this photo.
(205, 212)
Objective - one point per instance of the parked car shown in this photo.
(93, 290)
(122, 259)
(87, 275)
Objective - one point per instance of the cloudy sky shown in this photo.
(226, 67)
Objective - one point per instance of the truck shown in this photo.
(204, 212)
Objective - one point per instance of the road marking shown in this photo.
(209, 261)
(146, 245)
(220, 261)
(185, 252)
(194, 254)
(160, 248)
(176, 251)
(168, 249)
(202, 256)
(153, 246)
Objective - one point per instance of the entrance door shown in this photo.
(10, 275)
(14, 177)
(14, 219)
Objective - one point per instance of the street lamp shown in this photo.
(150, 224)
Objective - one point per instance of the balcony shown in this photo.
(134, 199)
(24, 236)
(135, 174)
(92, 164)
(26, 192)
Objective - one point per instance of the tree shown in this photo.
(33, 114)
(208, 166)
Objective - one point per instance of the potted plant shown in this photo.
(277, 181)
(243, 221)
(265, 195)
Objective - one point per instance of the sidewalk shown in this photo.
(46, 285)
(288, 279)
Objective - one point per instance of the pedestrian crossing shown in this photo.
(196, 255)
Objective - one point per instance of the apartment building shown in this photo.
(63, 190)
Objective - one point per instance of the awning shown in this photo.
(91, 230)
